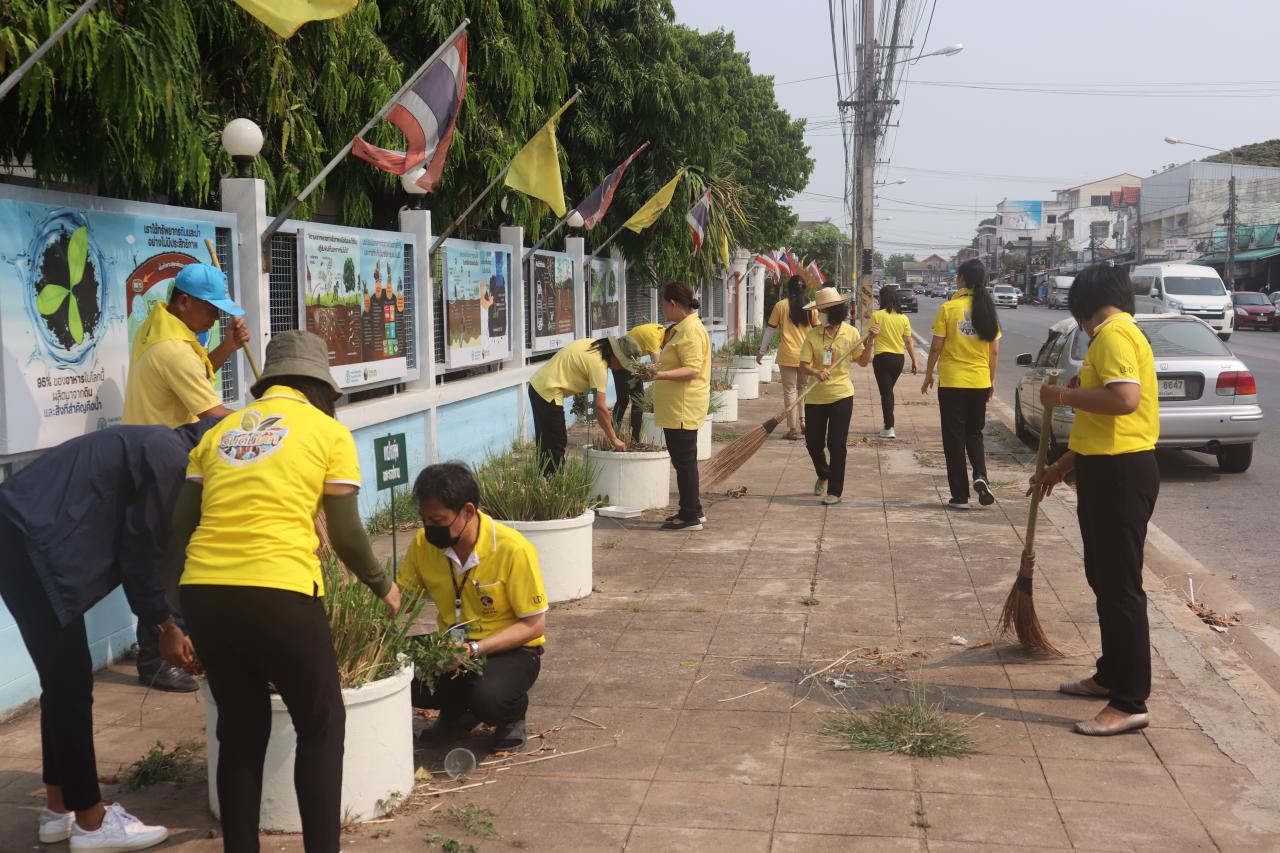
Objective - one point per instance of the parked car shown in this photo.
(937, 289)
(908, 301)
(1275, 299)
(1057, 289)
(1184, 289)
(1004, 296)
(1255, 311)
(1208, 397)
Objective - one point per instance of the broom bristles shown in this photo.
(1018, 616)
(721, 466)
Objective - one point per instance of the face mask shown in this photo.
(822, 317)
(441, 535)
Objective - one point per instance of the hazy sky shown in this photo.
(1146, 69)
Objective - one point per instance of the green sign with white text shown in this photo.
(391, 461)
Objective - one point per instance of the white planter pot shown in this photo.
(766, 367)
(651, 434)
(704, 440)
(743, 361)
(632, 480)
(564, 553)
(377, 759)
(748, 381)
(728, 406)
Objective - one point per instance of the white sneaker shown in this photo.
(888, 433)
(120, 832)
(55, 826)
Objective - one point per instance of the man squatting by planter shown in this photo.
(485, 582)
(86, 517)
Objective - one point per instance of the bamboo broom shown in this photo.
(1019, 613)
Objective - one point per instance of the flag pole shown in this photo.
(606, 242)
(16, 77)
(538, 245)
(293, 203)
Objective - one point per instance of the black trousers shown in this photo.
(826, 436)
(497, 696)
(65, 667)
(887, 367)
(250, 637)
(964, 414)
(627, 386)
(549, 432)
(682, 446)
(1115, 498)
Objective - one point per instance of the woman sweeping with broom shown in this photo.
(1112, 451)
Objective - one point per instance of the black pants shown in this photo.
(62, 660)
(887, 367)
(1115, 498)
(964, 414)
(549, 432)
(627, 386)
(682, 445)
(498, 696)
(826, 436)
(249, 637)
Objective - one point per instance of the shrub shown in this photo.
(513, 487)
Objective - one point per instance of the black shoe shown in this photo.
(984, 492)
(680, 524)
(510, 737)
(448, 727)
(958, 503)
(702, 519)
(170, 679)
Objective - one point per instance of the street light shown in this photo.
(890, 183)
(242, 139)
(409, 180)
(949, 50)
(575, 219)
(1230, 267)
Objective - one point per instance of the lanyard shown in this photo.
(457, 592)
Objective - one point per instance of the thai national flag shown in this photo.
(792, 263)
(697, 218)
(426, 113)
(594, 206)
(816, 273)
(767, 262)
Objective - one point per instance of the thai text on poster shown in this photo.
(551, 288)
(474, 290)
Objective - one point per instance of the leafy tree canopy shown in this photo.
(822, 243)
(1254, 154)
(893, 265)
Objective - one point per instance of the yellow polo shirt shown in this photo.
(813, 352)
(570, 372)
(966, 358)
(648, 336)
(790, 336)
(170, 376)
(500, 582)
(683, 405)
(895, 332)
(263, 471)
(1119, 352)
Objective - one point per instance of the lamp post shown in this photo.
(242, 139)
(409, 181)
(1231, 205)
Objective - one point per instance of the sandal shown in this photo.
(792, 435)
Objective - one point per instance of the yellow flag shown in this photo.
(285, 16)
(535, 171)
(724, 250)
(652, 209)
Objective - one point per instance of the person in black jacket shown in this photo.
(86, 517)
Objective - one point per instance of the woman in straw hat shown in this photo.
(828, 408)
(252, 586)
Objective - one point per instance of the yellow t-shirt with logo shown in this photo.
(648, 336)
(570, 372)
(170, 377)
(263, 471)
(966, 358)
(895, 332)
(504, 586)
(1119, 352)
(813, 352)
(790, 336)
(683, 405)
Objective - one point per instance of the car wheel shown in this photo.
(1225, 337)
(1235, 458)
(1020, 423)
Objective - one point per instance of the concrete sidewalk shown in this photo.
(683, 669)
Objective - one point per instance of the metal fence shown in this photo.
(230, 376)
(639, 301)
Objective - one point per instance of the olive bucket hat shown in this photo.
(627, 351)
(296, 353)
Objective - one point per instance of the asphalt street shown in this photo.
(1223, 520)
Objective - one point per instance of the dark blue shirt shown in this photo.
(95, 513)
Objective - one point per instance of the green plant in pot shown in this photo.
(513, 487)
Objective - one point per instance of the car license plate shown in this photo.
(1173, 387)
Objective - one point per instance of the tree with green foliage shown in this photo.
(822, 243)
(893, 266)
(349, 276)
(1254, 154)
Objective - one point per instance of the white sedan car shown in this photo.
(1004, 296)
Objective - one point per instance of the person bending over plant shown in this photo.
(487, 587)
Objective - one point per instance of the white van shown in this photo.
(1189, 289)
(1057, 288)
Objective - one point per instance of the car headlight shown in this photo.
(1240, 312)
(1174, 305)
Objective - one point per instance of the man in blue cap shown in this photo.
(170, 384)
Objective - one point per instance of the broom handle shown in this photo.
(248, 353)
(1042, 450)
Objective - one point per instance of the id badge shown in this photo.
(458, 633)
(828, 358)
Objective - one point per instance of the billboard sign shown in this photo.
(1022, 215)
(551, 288)
(475, 292)
(603, 303)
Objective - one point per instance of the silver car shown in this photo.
(1208, 397)
(1004, 296)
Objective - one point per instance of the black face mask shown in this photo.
(439, 535)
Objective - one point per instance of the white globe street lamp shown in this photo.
(242, 139)
(575, 219)
(409, 180)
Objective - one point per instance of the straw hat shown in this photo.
(627, 351)
(296, 353)
(826, 298)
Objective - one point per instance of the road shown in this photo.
(1223, 520)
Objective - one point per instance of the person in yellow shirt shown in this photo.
(794, 322)
(965, 348)
(1112, 451)
(581, 366)
(829, 406)
(485, 582)
(681, 395)
(627, 385)
(892, 343)
(252, 586)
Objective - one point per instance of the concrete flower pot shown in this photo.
(633, 480)
(650, 433)
(743, 361)
(747, 379)
(377, 759)
(564, 554)
(766, 367)
(728, 412)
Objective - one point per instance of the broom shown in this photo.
(1019, 613)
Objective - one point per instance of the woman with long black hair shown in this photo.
(790, 318)
(966, 344)
(681, 393)
(892, 345)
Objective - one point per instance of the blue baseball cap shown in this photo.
(208, 283)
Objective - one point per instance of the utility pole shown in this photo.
(1231, 227)
(865, 121)
(1137, 257)
(1031, 241)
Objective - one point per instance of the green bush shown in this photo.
(367, 643)
(513, 487)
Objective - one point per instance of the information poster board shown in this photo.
(355, 300)
(75, 284)
(475, 291)
(551, 287)
(603, 303)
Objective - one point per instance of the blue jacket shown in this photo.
(95, 514)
